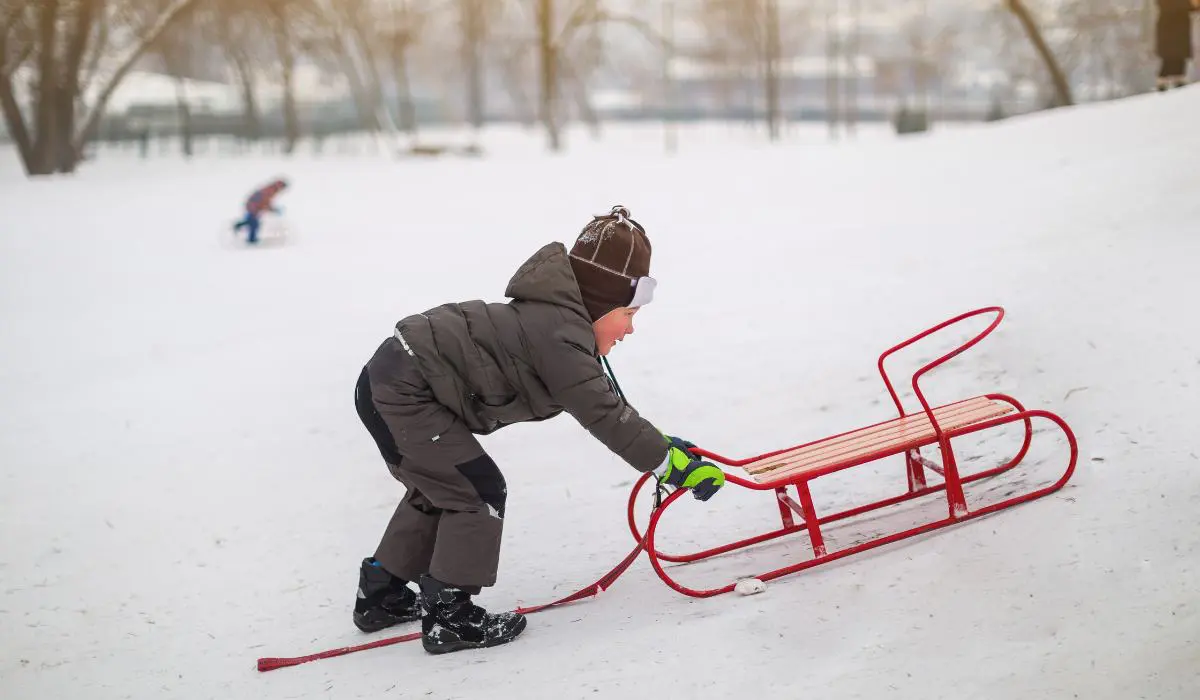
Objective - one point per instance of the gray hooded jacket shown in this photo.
(526, 360)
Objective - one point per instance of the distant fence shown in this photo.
(145, 127)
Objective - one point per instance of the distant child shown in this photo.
(261, 201)
(466, 369)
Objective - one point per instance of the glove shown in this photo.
(680, 443)
(682, 470)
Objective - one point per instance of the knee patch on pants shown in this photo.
(488, 482)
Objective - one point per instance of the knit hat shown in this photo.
(610, 259)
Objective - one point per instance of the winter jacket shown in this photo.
(1173, 38)
(496, 364)
(262, 199)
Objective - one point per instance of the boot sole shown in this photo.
(369, 626)
(460, 645)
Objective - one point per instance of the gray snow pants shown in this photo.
(450, 521)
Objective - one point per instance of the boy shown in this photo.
(461, 370)
(260, 201)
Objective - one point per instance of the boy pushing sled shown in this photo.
(466, 369)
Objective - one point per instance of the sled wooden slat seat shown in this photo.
(872, 442)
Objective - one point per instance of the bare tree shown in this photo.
(751, 41)
(348, 38)
(770, 62)
(474, 22)
(236, 26)
(1062, 87)
(557, 40)
(548, 72)
(16, 34)
(16, 46)
(175, 49)
(280, 16)
(1106, 46)
(513, 55)
(49, 135)
(400, 29)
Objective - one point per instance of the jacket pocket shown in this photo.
(498, 410)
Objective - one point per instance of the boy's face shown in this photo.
(613, 328)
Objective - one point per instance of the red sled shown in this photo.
(793, 468)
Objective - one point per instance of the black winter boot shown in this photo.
(453, 623)
(383, 600)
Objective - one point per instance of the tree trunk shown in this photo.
(851, 92)
(772, 69)
(98, 48)
(287, 61)
(374, 82)
(291, 119)
(588, 113)
(46, 99)
(235, 54)
(406, 107)
(548, 57)
(362, 104)
(368, 118)
(65, 157)
(251, 121)
(185, 117)
(572, 76)
(833, 96)
(1062, 88)
(511, 74)
(15, 121)
(72, 74)
(474, 30)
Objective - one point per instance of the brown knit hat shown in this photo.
(610, 255)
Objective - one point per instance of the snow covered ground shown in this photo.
(184, 485)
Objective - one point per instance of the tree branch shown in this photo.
(9, 18)
(581, 19)
(98, 47)
(16, 122)
(177, 8)
(1061, 87)
(10, 67)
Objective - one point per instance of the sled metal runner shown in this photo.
(791, 470)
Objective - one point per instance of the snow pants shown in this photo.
(250, 222)
(450, 521)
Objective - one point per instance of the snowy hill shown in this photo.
(184, 485)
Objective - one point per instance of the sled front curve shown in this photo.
(793, 469)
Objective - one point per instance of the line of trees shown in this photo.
(61, 60)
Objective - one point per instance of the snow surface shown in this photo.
(185, 487)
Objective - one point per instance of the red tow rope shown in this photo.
(605, 582)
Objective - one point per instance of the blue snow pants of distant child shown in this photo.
(250, 222)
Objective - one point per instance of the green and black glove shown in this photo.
(683, 470)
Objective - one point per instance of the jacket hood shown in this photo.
(547, 277)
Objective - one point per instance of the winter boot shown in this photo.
(453, 623)
(383, 600)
